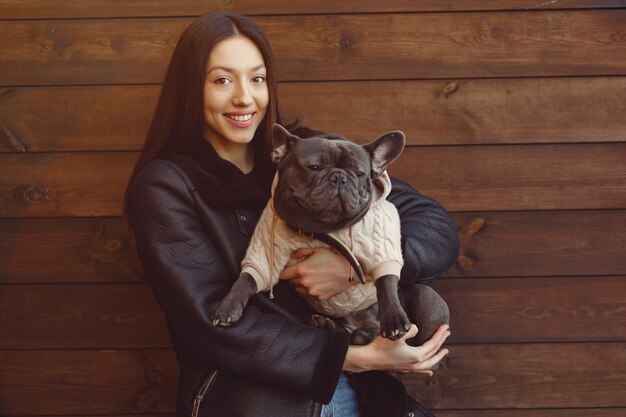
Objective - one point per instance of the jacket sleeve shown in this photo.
(429, 237)
(188, 278)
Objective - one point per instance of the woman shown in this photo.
(199, 186)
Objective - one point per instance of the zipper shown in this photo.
(204, 387)
(317, 406)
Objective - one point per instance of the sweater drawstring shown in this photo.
(274, 217)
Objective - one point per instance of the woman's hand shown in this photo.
(322, 274)
(397, 356)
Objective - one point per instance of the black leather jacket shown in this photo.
(193, 215)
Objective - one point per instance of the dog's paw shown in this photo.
(322, 322)
(226, 314)
(394, 326)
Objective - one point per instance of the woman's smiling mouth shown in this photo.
(240, 120)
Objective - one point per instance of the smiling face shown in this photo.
(235, 96)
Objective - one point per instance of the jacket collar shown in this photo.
(219, 181)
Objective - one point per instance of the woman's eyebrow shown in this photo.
(231, 70)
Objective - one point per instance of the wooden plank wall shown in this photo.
(514, 112)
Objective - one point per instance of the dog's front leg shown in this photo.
(394, 322)
(230, 309)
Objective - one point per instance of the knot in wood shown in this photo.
(466, 261)
(473, 227)
(34, 193)
(152, 394)
(449, 88)
(154, 377)
(345, 42)
(6, 92)
(113, 245)
(12, 139)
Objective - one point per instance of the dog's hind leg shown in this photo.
(425, 308)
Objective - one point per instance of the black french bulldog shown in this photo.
(334, 187)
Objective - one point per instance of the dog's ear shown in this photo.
(282, 142)
(384, 150)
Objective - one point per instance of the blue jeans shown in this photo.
(344, 402)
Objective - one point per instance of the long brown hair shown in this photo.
(179, 115)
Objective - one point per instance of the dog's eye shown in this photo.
(360, 174)
(314, 167)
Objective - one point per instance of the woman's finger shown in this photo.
(290, 272)
(435, 341)
(299, 253)
(429, 363)
(411, 333)
(428, 354)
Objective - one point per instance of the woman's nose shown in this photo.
(242, 96)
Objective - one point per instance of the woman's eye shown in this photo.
(258, 79)
(314, 167)
(222, 81)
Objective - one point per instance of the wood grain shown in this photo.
(87, 382)
(564, 412)
(541, 177)
(64, 184)
(80, 317)
(28, 9)
(527, 376)
(565, 243)
(472, 377)
(75, 118)
(446, 112)
(331, 47)
(494, 244)
(518, 310)
(505, 310)
(464, 178)
(67, 250)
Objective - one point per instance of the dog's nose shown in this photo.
(338, 178)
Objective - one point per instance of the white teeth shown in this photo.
(243, 118)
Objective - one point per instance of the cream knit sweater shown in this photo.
(375, 242)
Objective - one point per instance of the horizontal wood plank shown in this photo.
(565, 243)
(67, 250)
(87, 382)
(80, 317)
(494, 244)
(527, 376)
(515, 310)
(331, 47)
(29, 9)
(541, 177)
(474, 178)
(564, 412)
(493, 111)
(506, 310)
(75, 118)
(64, 184)
(472, 377)
(116, 415)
